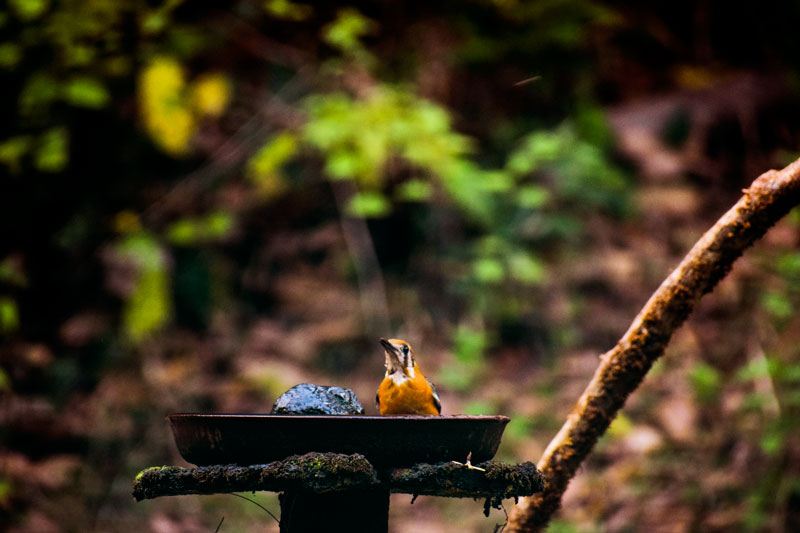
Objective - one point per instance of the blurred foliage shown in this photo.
(775, 386)
(179, 179)
(705, 381)
(147, 306)
(395, 146)
(538, 197)
(9, 315)
(171, 109)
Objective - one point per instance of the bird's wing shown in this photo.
(436, 401)
(378, 399)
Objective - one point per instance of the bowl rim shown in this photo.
(266, 416)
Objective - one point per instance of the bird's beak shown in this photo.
(392, 353)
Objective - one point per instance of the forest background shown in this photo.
(203, 205)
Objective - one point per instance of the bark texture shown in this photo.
(316, 472)
(331, 472)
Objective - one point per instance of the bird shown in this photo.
(404, 389)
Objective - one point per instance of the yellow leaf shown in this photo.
(162, 103)
(210, 94)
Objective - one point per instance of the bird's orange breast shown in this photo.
(413, 396)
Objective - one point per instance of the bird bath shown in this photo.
(390, 441)
(335, 472)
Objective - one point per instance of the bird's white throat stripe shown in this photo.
(399, 377)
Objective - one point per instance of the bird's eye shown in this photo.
(405, 349)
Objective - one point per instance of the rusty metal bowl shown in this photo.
(209, 439)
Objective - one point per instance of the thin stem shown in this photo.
(258, 505)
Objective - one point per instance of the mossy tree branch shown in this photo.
(316, 472)
(623, 367)
(331, 472)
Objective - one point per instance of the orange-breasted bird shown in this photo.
(404, 389)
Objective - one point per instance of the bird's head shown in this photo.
(399, 356)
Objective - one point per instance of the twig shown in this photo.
(622, 368)
(498, 528)
(526, 81)
(468, 464)
(257, 505)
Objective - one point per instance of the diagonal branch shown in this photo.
(623, 367)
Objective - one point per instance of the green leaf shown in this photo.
(9, 315)
(155, 22)
(777, 304)
(368, 205)
(431, 118)
(148, 307)
(186, 41)
(469, 345)
(28, 10)
(761, 367)
(415, 191)
(527, 268)
(706, 382)
(546, 145)
(86, 92)
(218, 224)
(183, 232)
(591, 125)
(193, 231)
(773, 440)
(344, 164)
(496, 181)
(159, 19)
(39, 92)
(489, 270)
(288, 10)
(10, 55)
(274, 154)
(344, 32)
(12, 150)
(52, 155)
(532, 196)
(789, 265)
(621, 426)
(461, 180)
(541, 149)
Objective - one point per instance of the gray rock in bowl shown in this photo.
(310, 399)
